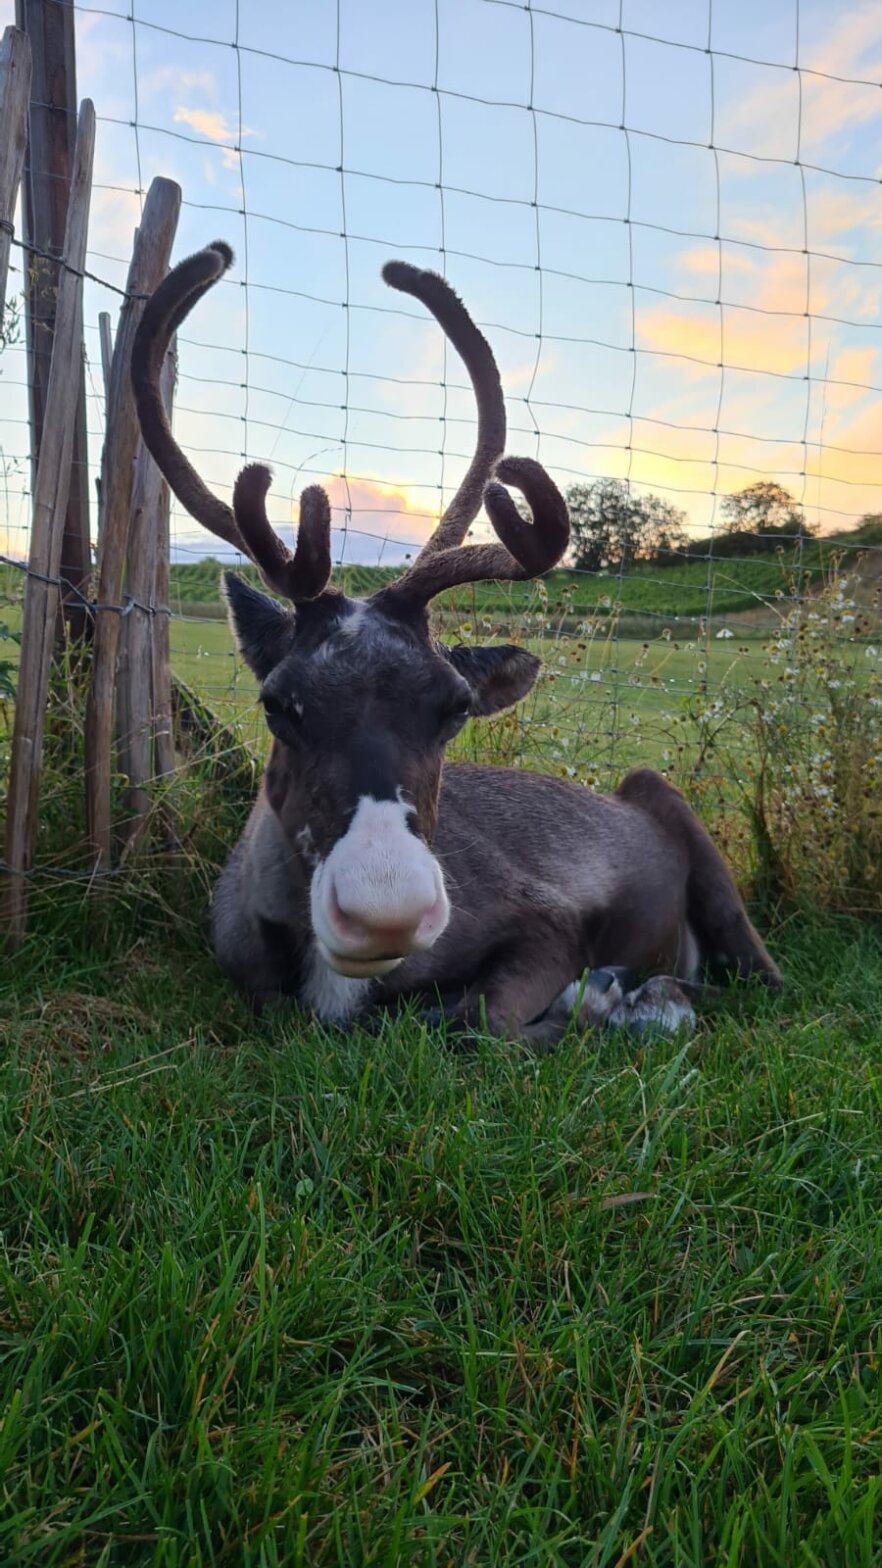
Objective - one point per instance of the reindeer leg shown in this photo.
(519, 998)
(714, 909)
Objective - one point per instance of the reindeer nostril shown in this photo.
(386, 934)
(345, 924)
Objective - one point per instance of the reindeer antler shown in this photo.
(525, 549)
(476, 354)
(300, 576)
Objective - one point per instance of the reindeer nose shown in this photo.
(367, 929)
(379, 895)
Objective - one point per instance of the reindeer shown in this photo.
(370, 869)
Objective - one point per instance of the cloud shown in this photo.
(114, 215)
(212, 124)
(850, 46)
(749, 342)
(174, 79)
(382, 522)
(764, 322)
(373, 521)
(833, 212)
(687, 464)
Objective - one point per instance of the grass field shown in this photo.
(276, 1295)
(599, 700)
(688, 589)
(271, 1295)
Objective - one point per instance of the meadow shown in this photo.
(599, 694)
(272, 1294)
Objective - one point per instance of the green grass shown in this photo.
(272, 1294)
(276, 1295)
(596, 696)
(689, 589)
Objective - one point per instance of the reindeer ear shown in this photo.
(262, 628)
(498, 676)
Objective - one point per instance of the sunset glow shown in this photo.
(633, 341)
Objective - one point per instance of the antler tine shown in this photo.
(245, 525)
(525, 549)
(166, 308)
(304, 574)
(477, 356)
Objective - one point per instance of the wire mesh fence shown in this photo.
(666, 221)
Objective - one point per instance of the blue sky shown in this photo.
(493, 149)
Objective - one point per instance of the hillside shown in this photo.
(751, 588)
(688, 590)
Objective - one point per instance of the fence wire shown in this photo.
(669, 233)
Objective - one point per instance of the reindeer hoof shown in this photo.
(448, 1010)
(433, 1017)
(654, 1010)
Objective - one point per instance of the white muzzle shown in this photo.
(379, 895)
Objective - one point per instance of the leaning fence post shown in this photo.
(149, 265)
(52, 125)
(163, 735)
(105, 340)
(136, 673)
(15, 90)
(47, 535)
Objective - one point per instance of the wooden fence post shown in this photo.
(52, 128)
(137, 661)
(105, 339)
(149, 265)
(15, 88)
(163, 732)
(47, 535)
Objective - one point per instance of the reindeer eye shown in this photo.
(283, 718)
(458, 711)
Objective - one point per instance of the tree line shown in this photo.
(610, 526)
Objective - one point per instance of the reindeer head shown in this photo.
(359, 697)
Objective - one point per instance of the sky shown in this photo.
(666, 215)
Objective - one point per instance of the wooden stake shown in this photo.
(137, 662)
(163, 732)
(47, 534)
(105, 338)
(52, 129)
(149, 265)
(15, 88)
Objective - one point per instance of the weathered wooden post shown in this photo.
(163, 732)
(47, 536)
(149, 265)
(148, 539)
(15, 87)
(52, 130)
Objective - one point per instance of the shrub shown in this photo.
(813, 765)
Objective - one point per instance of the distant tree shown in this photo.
(868, 530)
(764, 508)
(610, 526)
(665, 532)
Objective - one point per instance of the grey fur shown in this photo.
(546, 879)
